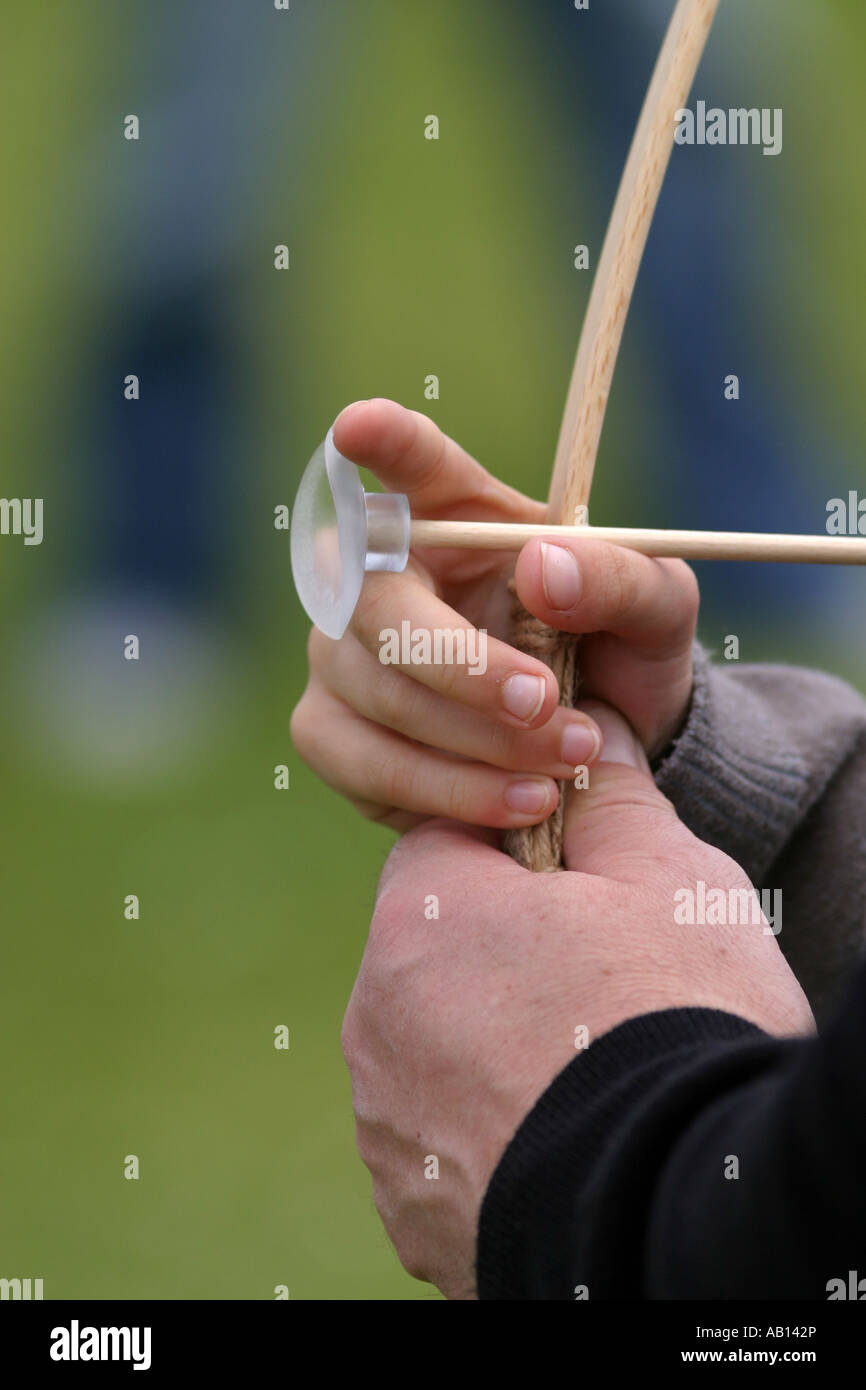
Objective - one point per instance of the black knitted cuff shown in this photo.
(536, 1230)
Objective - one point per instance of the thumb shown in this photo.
(620, 821)
(442, 851)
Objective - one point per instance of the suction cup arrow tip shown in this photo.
(338, 532)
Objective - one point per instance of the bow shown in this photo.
(540, 847)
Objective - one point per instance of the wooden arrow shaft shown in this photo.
(686, 545)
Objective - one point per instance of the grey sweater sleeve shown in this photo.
(771, 768)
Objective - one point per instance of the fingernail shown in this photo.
(580, 746)
(527, 798)
(523, 696)
(621, 745)
(560, 577)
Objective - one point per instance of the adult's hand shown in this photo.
(478, 975)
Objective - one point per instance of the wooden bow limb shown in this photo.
(540, 847)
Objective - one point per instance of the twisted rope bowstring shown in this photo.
(539, 847)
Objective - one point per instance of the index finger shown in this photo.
(409, 453)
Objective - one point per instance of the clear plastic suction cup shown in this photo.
(338, 532)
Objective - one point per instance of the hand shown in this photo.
(457, 1024)
(404, 742)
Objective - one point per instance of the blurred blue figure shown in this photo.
(177, 217)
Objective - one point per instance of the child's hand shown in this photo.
(408, 741)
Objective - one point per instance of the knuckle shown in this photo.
(367, 1149)
(311, 735)
(619, 590)
(317, 644)
(349, 1036)
(429, 445)
(678, 594)
(399, 701)
(302, 725)
(507, 747)
(375, 812)
(689, 595)
(723, 869)
(396, 782)
(450, 680)
(389, 915)
(386, 911)
(415, 1265)
(368, 617)
(456, 792)
(677, 601)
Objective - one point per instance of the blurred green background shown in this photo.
(408, 257)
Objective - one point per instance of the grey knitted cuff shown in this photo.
(732, 775)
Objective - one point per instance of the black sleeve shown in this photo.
(688, 1155)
